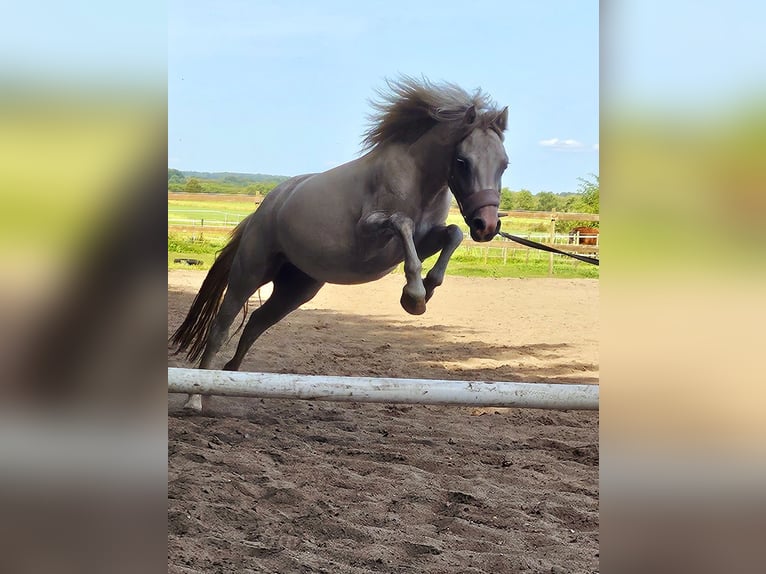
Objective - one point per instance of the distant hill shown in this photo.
(233, 177)
(222, 182)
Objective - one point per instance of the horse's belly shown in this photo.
(344, 265)
(344, 277)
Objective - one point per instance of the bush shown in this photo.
(179, 244)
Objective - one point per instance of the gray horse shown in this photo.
(355, 223)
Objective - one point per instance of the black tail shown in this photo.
(192, 335)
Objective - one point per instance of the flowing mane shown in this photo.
(411, 107)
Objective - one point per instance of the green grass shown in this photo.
(206, 258)
(184, 247)
(515, 226)
(221, 211)
(466, 264)
(181, 244)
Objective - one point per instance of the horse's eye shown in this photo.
(462, 162)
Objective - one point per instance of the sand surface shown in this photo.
(296, 486)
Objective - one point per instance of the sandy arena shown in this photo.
(297, 486)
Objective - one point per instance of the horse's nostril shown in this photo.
(478, 224)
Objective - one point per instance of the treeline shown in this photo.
(584, 200)
(222, 182)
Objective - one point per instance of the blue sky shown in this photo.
(282, 87)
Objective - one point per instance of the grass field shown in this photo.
(199, 242)
(214, 212)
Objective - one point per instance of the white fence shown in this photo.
(210, 216)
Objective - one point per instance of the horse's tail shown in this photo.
(192, 335)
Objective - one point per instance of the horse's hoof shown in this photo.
(412, 306)
(430, 285)
(193, 405)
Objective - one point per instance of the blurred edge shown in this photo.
(683, 398)
(83, 305)
(83, 139)
(82, 291)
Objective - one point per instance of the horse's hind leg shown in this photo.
(241, 286)
(292, 288)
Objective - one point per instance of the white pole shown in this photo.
(383, 390)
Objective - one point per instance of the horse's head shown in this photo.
(475, 171)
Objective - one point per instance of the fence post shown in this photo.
(553, 238)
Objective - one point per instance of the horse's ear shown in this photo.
(470, 115)
(501, 121)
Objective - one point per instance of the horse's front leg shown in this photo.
(413, 298)
(444, 238)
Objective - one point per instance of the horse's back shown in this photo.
(259, 235)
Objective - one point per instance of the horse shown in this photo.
(356, 222)
(584, 236)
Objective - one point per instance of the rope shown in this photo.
(535, 245)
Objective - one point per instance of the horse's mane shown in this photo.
(411, 107)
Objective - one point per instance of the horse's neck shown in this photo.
(433, 153)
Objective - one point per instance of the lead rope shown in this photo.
(535, 245)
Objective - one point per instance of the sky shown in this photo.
(689, 56)
(283, 87)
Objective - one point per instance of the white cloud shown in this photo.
(556, 143)
(595, 146)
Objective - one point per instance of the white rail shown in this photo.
(384, 390)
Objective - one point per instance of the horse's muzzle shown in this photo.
(484, 223)
(479, 209)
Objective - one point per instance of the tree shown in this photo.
(585, 201)
(525, 200)
(193, 186)
(261, 188)
(175, 176)
(506, 198)
(589, 195)
(546, 201)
